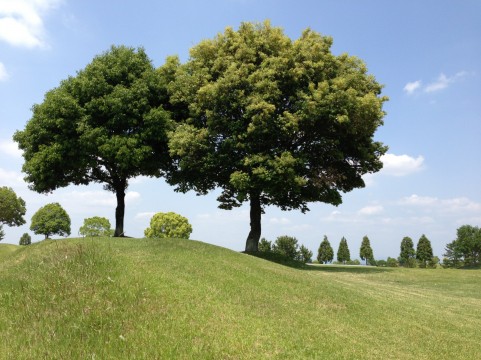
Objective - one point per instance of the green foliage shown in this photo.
(50, 220)
(2, 233)
(286, 246)
(274, 121)
(168, 225)
(305, 255)
(343, 254)
(424, 251)
(433, 263)
(381, 263)
(466, 249)
(408, 254)
(96, 226)
(391, 262)
(26, 239)
(366, 251)
(265, 246)
(325, 254)
(353, 262)
(104, 125)
(12, 208)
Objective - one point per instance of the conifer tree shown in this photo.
(325, 253)
(424, 251)
(343, 253)
(366, 251)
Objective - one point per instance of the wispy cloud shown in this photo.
(371, 210)
(459, 205)
(411, 87)
(3, 73)
(10, 178)
(401, 165)
(441, 83)
(21, 21)
(10, 148)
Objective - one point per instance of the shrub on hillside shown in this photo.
(391, 262)
(96, 226)
(26, 239)
(168, 225)
(265, 245)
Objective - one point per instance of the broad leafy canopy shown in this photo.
(267, 116)
(103, 125)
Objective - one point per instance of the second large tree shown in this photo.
(104, 125)
(275, 122)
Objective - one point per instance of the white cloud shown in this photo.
(443, 82)
(10, 178)
(460, 205)
(10, 148)
(21, 22)
(98, 198)
(410, 87)
(145, 215)
(401, 165)
(371, 210)
(279, 221)
(3, 73)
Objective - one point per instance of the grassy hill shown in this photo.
(180, 299)
(7, 249)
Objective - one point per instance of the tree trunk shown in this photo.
(252, 242)
(119, 212)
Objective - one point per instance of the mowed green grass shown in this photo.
(181, 299)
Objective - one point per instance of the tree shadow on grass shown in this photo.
(355, 269)
(282, 260)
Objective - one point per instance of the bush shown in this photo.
(265, 246)
(433, 263)
(353, 262)
(168, 225)
(305, 255)
(286, 246)
(25, 239)
(381, 263)
(391, 262)
(96, 226)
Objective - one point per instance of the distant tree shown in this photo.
(391, 262)
(105, 125)
(12, 209)
(343, 254)
(453, 258)
(274, 121)
(168, 225)
(366, 251)
(50, 220)
(424, 251)
(265, 246)
(26, 239)
(96, 226)
(466, 247)
(286, 246)
(305, 255)
(408, 254)
(325, 254)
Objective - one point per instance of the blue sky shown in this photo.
(426, 53)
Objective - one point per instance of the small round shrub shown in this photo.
(25, 239)
(168, 225)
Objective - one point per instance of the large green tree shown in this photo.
(365, 252)
(12, 209)
(272, 121)
(325, 253)
(104, 125)
(51, 219)
(343, 253)
(407, 257)
(467, 246)
(424, 251)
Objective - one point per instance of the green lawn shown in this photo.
(181, 299)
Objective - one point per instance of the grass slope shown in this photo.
(6, 250)
(180, 299)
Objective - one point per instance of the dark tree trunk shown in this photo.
(119, 212)
(252, 242)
